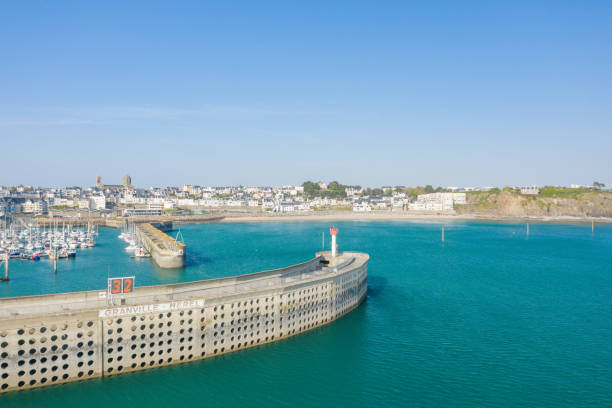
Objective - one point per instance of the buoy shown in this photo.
(323, 241)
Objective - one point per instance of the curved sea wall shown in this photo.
(53, 339)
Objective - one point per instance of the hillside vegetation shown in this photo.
(552, 202)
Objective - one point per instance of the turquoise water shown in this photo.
(490, 318)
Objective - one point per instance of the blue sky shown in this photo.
(262, 93)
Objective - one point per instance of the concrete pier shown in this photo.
(119, 222)
(53, 339)
(166, 251)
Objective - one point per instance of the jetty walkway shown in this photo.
(166, 251)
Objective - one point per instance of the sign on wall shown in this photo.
(152, 308)
(119, 286)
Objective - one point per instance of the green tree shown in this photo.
(335, 190)
(334, 185)
(311, 189)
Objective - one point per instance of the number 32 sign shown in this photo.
(118, 286)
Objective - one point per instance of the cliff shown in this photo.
(551, 202)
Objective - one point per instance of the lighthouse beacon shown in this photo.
(334, 247)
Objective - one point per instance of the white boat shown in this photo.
(132, 246)
(141, 253)
(14, 252)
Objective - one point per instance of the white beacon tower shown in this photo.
(334, 247)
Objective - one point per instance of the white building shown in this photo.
(84, 204)
(235, 203)
(351, 191)
(186, 202)
(211, 202)
(68, 202)
(437, 202)
(140, 212)
(286, 207)
(362, 207)
(380, 204)
(156, 207)
(35, 206)
(532, 190)
(97, 202)
(191, 190)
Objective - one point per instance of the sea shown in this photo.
(492, 316)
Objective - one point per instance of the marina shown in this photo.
(61, 240)
(34, 243)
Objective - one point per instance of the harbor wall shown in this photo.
(119, 222)
(166, 226)
(54, 339)
(164, 250)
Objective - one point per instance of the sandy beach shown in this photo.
(352, 216)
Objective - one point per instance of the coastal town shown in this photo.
(126, 200)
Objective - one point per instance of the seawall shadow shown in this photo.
(376, 285)
(193, 259)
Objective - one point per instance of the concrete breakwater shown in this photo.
(119, 222)
(175, 219)
(166, 226)
(165, 251)
(53, 339)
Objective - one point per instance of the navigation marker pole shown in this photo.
(592, 226)
(55, 260)
(442, 234)
(527, 229)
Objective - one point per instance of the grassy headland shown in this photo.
(550, 202)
